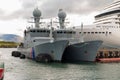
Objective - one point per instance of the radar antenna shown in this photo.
(37, 15)
(61, 16)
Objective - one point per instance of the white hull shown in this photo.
(110, 37)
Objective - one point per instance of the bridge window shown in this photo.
(65, 32)
(58, 32)
(96, 32)
(44, 30)
(109, 32)
(103, 32)
(88, 32)
(38, 31)
(70, 32)
(74, 32)
(48, 31)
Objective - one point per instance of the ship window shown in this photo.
(74, 32)
(98, 26)
(65, 32)
(96, 32)
(58, 32)
(88, 32)
(99, 32)
(103, 32)
(48, 31)
(79, 32)
(33, 30)
(38, 31)
(92, 32)
(70, 32)
(118, 15)
(109, 32)
(41, 31)
(33, 40)
(44, 30)
(84, 32)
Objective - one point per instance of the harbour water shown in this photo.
(26, 69)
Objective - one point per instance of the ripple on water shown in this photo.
(25, 69)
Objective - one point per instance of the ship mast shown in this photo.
(82, 35)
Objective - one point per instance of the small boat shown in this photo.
(1, 71)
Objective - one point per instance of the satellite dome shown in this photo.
(61, 14)
(36, 12)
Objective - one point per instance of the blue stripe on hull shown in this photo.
(33, 53)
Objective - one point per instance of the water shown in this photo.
(25, 69)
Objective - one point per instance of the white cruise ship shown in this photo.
(106, 27)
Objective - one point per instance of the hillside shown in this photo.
(10, 38)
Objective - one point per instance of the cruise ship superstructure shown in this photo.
(106, 27)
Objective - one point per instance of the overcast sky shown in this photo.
(15, 13)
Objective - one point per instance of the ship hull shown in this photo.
(53, 51)
(86, 51)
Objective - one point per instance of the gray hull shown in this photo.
(86, 51)
(54, 50)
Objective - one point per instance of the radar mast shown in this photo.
(37, 15)
(61, 16)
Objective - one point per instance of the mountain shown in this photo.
(10, 38)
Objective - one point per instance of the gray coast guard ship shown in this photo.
(44, 44)
(39, 43)
(77, 50)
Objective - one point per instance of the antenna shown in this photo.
(82, 35)
(51, 32)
